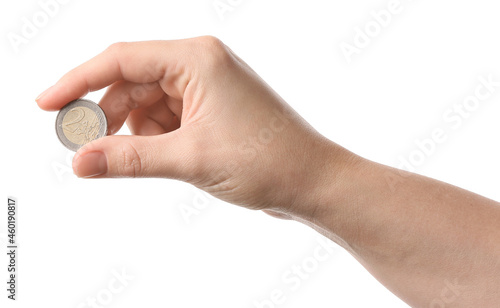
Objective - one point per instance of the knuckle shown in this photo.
(215, 53)
(210, 41)
(117, 47)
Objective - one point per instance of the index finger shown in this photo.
(139, 62)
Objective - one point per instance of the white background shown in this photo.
(73, 233)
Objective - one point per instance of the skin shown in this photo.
(199, 114)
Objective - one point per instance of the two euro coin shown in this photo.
(80, 122)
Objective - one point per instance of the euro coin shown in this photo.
(80, 122)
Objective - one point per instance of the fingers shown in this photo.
(131, 156)
(141, 125)
(138, 62)
(123, 97)
(183, 71)
(155, 120)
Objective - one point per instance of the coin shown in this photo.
(80, 122)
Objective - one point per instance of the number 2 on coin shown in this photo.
(79, 117)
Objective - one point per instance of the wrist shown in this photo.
(348, 202)
(325, 196)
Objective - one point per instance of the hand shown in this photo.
(201, 115)
(198, 114)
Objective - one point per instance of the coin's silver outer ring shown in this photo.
(101, 117)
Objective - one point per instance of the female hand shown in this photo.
(201, 115)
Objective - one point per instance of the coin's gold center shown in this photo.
(80, 125)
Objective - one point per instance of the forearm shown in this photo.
(427, 241)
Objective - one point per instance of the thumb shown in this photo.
(131, 156)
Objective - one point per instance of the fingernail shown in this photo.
(90, 165)
(42, 94)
